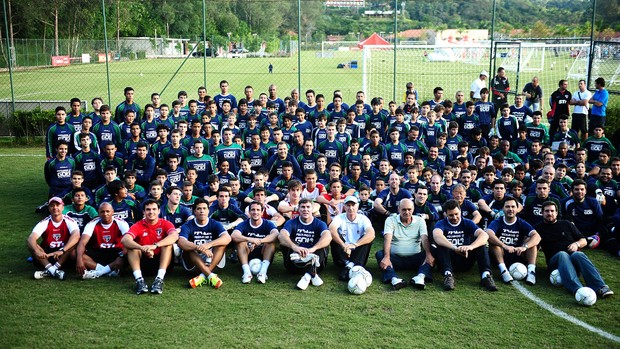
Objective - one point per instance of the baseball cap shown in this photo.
(55, 199)
(485, 73)
(351, 198)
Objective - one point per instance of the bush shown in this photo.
(30, 124)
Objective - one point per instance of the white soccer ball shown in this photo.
(355, 270)
(357, 285)
(555, 278)
(367, 276)
(518, 271)
(255, 265)
(585, 296)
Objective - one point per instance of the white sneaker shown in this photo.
(90, 275)
(418, 282)
(40, 274)
(531, 278)
(114, 273)
(246, 278)
(506, 277)
(261, 278)
(316, 280)
(60, 275)
(304, 282)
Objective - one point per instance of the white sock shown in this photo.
(137, 274)
(531, 268)
(51, 269)
(161, 273)
(447, 273)
(264, 266)
(103, 270)
(502, 267)
(349, 265)
(485, 274)
(246, 269)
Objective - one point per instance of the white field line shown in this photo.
(21, 155)
(563, 315)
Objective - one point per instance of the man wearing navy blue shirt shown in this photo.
(203, 242)
(512, 239)
(172, 211)
(255, 238)
(305, 241)
(460, 242)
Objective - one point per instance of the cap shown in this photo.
(485, 73)
(55, 199)
(351, 198)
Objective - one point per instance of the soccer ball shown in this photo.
(367, 276)
(255, 265)
(518, 271)
(357, 285)
(555, 278)
(585, 296)
(355, 270)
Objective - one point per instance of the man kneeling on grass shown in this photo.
(149, 247)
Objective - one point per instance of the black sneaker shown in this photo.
(158, 286)
(488, 283)
(397, 284)
(604, 292)
(448, 282)
(141, 286)
(233, 258)
(344, 274)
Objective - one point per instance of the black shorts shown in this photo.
(510, 258)
(579, 123)
(103, 256)
(51, 260)
(150, 266)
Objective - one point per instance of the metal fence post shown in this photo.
(105, 38)
(9, 60)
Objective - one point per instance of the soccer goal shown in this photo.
(329, 48)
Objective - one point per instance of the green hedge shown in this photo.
(29, 126)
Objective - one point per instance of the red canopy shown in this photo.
(373, 40)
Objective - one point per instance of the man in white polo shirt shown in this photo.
(352, 236)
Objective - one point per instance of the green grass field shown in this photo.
(320, 74)
(106, 313)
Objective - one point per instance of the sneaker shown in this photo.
(60, 275)
(158, 286)
(141, 286)
(304, 282)
(316, 280)
(448, 282)
(530, 279)
(90, 275)
(593, 241)
(40, 274)
(418, 282)
(215, 281)
(488, 283)
(261, 278)
(197, 281)
(604, 292)
(344, 274)
(233, 258)
(398, 283)
(246, 278)
(506, 277)
(114, 273)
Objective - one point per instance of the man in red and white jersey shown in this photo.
(59, 234)
(312, 189)
(149, 247)
(100, 251)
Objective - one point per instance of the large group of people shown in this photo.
(447, 184)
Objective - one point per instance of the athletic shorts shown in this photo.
(579, 123)
(150, 266)
(51, 260)
(189, 266)
(103, 256)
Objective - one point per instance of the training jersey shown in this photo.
(225, 215)
(391, 201)
(586, 215)
(560, 103)
(58, 172)
(180, 215)
(148, 234)
(511, 234)
(333, 150)
(220, 98)
(199, 234)
(56, 133)
(263, 230)
(305, 234)
(231, 153)
(106, 235)
(82, 217)
(523, 113)
(507, 127)
(486, 112)
(460, 234)
(108, 133)
(53, 234)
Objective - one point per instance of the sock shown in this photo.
(502, 267)
(51, 269)
(485, 274)
(246, 269)
(264, 266)
(103, 270)
(531, 268)
(57, 265)
(421, 275)
(161, 273)
(349, 265)
(447, 273)
(137, 274)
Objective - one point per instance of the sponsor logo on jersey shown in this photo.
(107, 238)
(56, 236)
(63, 173)
(89, 166)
